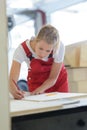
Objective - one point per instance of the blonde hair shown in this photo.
(49, 34)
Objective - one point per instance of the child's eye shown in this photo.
(41, 48)
(47, 50)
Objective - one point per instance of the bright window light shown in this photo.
(71, 23)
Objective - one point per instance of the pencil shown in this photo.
(16, 84)
(51, 94)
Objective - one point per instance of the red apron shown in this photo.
(40, 71)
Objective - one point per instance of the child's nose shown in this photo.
(43, 54)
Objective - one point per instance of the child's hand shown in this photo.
(37, 91)
(17, 94)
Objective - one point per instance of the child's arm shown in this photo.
(13, 78)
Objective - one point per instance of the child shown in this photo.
(44, 57)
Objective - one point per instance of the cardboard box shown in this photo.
(76, 54)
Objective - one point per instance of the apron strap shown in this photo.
(50, 55)
(27, 51)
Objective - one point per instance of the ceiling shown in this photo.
(23, 10)
(18, 6)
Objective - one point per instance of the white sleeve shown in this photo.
(19, 55)
(59, 55)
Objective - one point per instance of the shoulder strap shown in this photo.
(26, 49)
(51, 54)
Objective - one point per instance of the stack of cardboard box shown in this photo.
(77, 79)
(76, 58)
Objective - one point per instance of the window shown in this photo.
(71, 23)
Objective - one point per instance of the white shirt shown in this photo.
(20, 55)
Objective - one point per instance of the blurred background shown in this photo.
(25, 18)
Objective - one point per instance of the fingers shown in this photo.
(35, 92)
(18, 94)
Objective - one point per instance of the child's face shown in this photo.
(43, 49)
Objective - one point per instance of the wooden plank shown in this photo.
(27, 107)
(23, 107)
